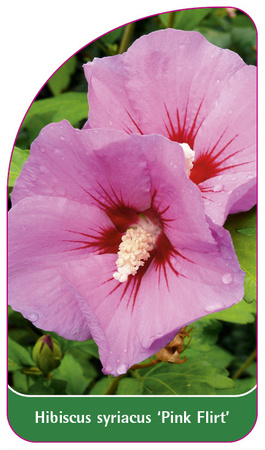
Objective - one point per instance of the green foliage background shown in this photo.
(221, 356)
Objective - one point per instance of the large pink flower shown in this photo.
(108, 238)
(177, 84)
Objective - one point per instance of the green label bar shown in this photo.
(131, 419)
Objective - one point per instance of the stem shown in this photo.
(113, 387)
(126, 37)
(170, 19)
(245, 365)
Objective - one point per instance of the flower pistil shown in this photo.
(189, 155)
(135, 247)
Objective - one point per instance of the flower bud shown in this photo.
(47, 353)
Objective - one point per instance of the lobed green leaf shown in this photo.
(195, 376)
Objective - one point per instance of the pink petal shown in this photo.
(112, 109)
(243, 201)
(225, 154)
(46, 231)
(87, 165)
(206, 282)
(175, 83)
(155, 84)
(47, 301)
(227, 194)
(176, 199)
(43, 233)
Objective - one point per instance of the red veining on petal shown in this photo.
(121, 215)
(210, 164)
(108, 241)
(135, 124)
(103, 241)
(180, 132)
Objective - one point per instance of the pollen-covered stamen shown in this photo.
(133, 252)
(189, 155)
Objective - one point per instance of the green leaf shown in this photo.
(58, 386)
(101, 386)
(219, 357)
(205, 334)
(89, 347)
(130, 386)
(18, 356)
(219, 38)
(195, 376)
(62, 77)
(113, 36)
(41, 387)
(244, 40)
(18, 159)
(241, 386)
(241, 312)
(82, 357)
(242, 229)
(71, 106)
(190, 18)
(71, 371)
(20, 382)
(186, 19)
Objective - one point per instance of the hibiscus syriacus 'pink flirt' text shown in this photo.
(108, 239)
(175, 83)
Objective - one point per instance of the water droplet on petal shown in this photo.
(33, 317)
(210, 308)
(42, 149)
(173, 165)
(109, 368)
(227, 278)
(62, 138)
(218, 188)
(125, 350)
(122, 369)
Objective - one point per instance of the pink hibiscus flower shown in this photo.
(108, 238)
(175, 83)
